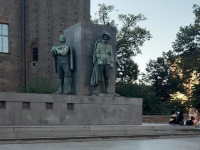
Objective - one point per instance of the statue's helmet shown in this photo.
(62, 38)
(106, 36)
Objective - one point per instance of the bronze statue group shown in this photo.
(103, 61)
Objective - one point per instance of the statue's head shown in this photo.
(105, 37)
(62, 39)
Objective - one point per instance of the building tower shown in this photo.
(32, 27)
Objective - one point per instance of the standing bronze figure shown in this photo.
(63, 57)
(103, 60)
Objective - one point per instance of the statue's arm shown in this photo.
(63, 51)
(111, 57)
(54, 51)
(98, 51)
(55, 56)
(98, 54)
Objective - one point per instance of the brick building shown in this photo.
(28, 29)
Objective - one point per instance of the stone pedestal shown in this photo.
(82, 37)
(45, 109)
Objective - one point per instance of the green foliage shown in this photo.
(130, 37)
(102, 15)
(195, 99)
(128, 71)
(187, 47)
(185, 57)
(151, 103)
(163, 80)
(42, 85)
(178, 105)
(197, 13)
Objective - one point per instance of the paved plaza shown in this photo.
(192, 143)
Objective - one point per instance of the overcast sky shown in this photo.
(164, 18)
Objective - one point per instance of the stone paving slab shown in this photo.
(189, 143)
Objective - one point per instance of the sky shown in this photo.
(164, 19)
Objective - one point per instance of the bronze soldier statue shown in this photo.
(103, 60)
(63, 57)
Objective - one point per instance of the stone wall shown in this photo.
(159, 118)
(11, 63)
(40, 109)
(156, 119)
(45, 21)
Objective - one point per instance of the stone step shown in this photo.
(9, 134)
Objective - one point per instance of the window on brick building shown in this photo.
(3, 38)
(35, 54)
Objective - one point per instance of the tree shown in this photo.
(195, 98)
(175, 69)
(160, 75)
(187, 47)
(151, 103)
(102, 15)
(130, 37)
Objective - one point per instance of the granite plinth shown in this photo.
(82, 37)
(18, 109)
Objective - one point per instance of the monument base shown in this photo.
(38, 134)
(106, 95)
(18, 109)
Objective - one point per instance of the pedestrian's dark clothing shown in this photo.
(172, 119)
(180, 119)
(189, 122)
